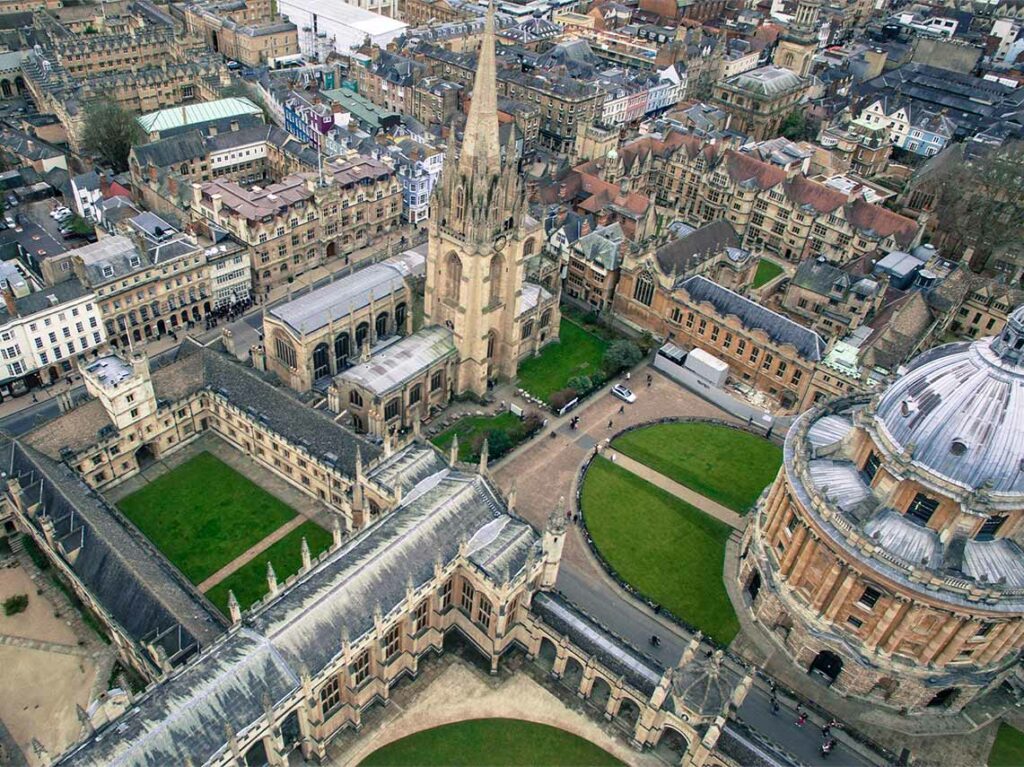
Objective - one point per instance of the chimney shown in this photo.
(12, 306)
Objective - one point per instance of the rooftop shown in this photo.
(401, 361)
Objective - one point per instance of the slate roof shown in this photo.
(602, 246)
(134, 583)
(195, 367)
(639, 670)
(767, 81)
(390, 368)
(320, 307)
(685, 253)
(39, 300)
(781, 330)
(185, 716)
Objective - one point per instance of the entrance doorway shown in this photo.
(826, 665)
(754, 585)
(145, 457)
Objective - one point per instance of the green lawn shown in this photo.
(578, 352)
(249, 582)
(766, 272)
(469, 428)
(668, 550)
(1008, 750)
(491, 742)
(729, 466)
(203, 514)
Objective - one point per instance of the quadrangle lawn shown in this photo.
(668, 550)
(766, 272)
(727, 465)
(492, 742)
(249, 582)
(577, 353)
(1008, 749)
(203, 514)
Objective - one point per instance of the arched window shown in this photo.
(545, 318)
(528, 247)
(497, 269)
(415, 394)
(342, 347)
(285, 352)
(643, 290)
(400, 311)
(381, 325)
(460, 203)
(321, 362)
(492, 339)
(453, 277)
(355, 398)
(362, 330)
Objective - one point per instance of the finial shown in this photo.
(453, 454)
(271, 578)
(484, 450)
(234, 609)
(307, 559)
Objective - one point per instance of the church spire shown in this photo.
(480, 141)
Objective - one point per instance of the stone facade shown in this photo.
(863, 559)
(760, 100)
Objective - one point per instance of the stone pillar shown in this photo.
(940, 638)
(839, 600)
(968, 629)
(795, 545)
(804, 558)
(996, 638)
(887, 620)
(830, 579)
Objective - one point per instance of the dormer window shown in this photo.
(108, 271)
(134, 261)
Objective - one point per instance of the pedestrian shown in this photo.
(609, 424)
(649, 379)
(622, 408)
(775, 705)
(826, 731)
(801, 719)
(628, 374)
(34, 397)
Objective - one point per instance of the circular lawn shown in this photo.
(729, 466)
(491, 742)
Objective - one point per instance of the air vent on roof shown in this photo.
(52, 300)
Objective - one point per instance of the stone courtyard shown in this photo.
(51, 661)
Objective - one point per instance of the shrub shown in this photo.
(620, 355)
(580, 384)
(647, 342)
(562, 398)
(532, 424)
(35, 554)
(498, 443)
(16, 604)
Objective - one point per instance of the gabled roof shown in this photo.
(781, 330)
(683, 254)
(750, 172)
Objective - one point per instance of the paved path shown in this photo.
(250, 553)
(702, 502)
(43, 646)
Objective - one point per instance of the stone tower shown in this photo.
(480, 238)
(797, 46)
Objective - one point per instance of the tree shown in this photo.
(110, 133)
(580, 384)
(979, 202)
(620, 355)
(798, 126)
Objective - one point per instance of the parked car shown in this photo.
(623, 393)
(11, 200)
(64, 216)
(9, 221)
(58, 212)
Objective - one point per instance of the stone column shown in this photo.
(1000, 635)
(939, 639)
(821, 595)
(950, 651)
(804, 558)
(839, 600)
(792, 552)
(886, 621)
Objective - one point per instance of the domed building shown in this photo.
(884, 558)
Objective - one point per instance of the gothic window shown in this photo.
(360, 670)
(285, 352)
(362, 330)
(444, 599)
(391, 643)
(321, 362)
(330, 696)
(491, 340)
(497, 267)
(527, 329)
(415, 394)
(460, 203)
(453, 281)
(528, 247)
(341, 347)
(483, 613)
(643, 290)
(391, 409)
(467, 597)
(545, 318)
(435, 381)
(400, 312)
(382, 325)
(419, 617)
(355, 398)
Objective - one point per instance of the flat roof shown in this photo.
(190, 114)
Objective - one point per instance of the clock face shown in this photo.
(499, 243)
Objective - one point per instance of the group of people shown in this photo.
(828, 742)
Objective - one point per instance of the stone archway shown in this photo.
(628, 714)
(547, 653)
(572, 675)
(600, 692)
(145, 457)
(827, 666)
(671, 746)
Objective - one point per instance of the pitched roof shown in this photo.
(412, 356)
(877, 221)
(684, 253)
(781, 330)
(750, 172)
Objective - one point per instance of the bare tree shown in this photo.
(110, 133)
